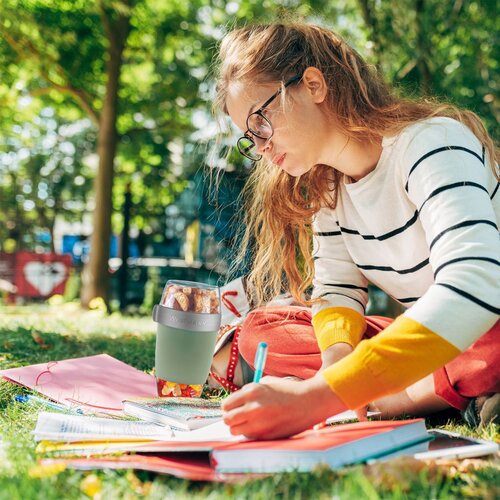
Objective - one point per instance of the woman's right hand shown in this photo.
(277, 407)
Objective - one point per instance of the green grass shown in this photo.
(36, 334)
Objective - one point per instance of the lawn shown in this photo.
(34, 334)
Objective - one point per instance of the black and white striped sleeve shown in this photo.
(449, 180)
(337, 279)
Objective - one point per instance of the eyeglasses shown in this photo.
(259, 126)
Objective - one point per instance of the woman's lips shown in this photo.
(278, 159)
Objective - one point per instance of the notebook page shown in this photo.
(217, 431)
(348, 415)
(63, 427)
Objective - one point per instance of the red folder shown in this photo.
(192, 466)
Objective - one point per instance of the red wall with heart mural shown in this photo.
(40, 275)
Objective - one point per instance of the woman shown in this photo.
(399, 193)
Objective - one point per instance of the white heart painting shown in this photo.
(44, 276)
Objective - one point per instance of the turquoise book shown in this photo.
(180, 413)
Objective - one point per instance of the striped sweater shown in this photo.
(423, 227)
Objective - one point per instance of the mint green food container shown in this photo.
(188, 319)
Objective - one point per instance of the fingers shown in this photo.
(243, 411)
(273, 408)
(236, 417)
(249, 427)
(247, 393)
(242, 425)
(241, 407)
(362, 413)
(247, 420)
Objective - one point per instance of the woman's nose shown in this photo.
(262, 145)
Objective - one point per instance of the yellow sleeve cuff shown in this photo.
(338, 324)
(403, 353)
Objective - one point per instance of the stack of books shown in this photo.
(70, 437)
(100, 399)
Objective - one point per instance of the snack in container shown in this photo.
(188, 318)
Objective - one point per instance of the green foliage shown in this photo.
(57, 56)
(430, 48)
(54, 56)
(43, 175)
(55, 52)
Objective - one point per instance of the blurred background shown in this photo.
(107, 139)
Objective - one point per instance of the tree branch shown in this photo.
(78, 95)
(106, 22)
(29, 49)
(406, 69)
(116, 32)
(368, 16)
(457, 7)
(451, 19)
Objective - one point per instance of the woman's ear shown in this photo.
(315, 83)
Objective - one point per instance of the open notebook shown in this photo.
(203, 439)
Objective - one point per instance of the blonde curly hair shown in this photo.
(279, 208)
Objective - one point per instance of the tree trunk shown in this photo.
(95, 277)
(123, 272)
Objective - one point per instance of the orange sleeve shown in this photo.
(403, 353)
(338, 324)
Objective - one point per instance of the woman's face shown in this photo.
(301, 128)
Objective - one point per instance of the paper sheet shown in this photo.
(348, 415)
(63, 427)
(218, 431)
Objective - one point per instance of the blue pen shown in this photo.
(45, 402)
(260, 361)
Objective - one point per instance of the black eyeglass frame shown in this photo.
(260, 113)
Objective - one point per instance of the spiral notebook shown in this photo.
(181, 413)
(52, 426)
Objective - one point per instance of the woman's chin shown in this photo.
(295, 170)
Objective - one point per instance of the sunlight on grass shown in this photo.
(37, 334)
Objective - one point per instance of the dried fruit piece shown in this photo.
(172, 389)
(183, 300)
(202, 303)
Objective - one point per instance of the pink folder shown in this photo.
(94, 383)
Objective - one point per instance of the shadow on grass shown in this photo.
(25, 345)
(31, 336)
